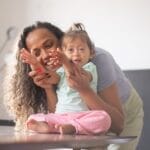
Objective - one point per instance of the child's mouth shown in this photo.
(76, 61)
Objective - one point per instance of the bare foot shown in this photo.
(67, 129)
(39, 126)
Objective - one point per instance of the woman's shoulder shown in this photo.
(102, 57)
(99, 52)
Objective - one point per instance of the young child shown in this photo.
(71, 115)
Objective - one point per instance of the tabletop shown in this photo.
(10, 139)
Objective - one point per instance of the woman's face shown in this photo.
(40, 42)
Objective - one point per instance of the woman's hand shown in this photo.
(26, 57)
(41, 77)
(44, 80)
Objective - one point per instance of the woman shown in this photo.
(31, 92)
(71, 116)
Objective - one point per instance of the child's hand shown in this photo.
(55, 60)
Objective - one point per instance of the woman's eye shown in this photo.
(48, 46)
(37, 52)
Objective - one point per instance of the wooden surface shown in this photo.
(11, 140)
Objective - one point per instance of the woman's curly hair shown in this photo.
(24, 97)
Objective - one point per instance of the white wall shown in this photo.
(120, 26)
(12, 14)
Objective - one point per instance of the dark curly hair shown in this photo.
(25, 97)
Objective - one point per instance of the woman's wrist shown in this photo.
(48, 88)
(84, 89)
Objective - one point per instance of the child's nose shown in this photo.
(76, 52)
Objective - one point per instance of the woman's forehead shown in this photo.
(39, 35)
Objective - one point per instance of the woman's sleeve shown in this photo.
(106, 70)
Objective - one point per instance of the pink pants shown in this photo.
(86, 122)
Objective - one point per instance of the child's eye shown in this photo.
(81, 49)
(70, 49)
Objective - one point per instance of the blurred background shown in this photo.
(120, 27)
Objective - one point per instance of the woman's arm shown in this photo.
(107, 99)
(51, 98)
(111, 97)
(46, 82)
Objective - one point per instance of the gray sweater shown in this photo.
(109, 72)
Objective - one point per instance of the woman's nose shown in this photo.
(45, 54)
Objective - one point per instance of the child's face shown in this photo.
(77, 51)
(40, 42)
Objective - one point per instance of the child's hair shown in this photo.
(77, 30)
